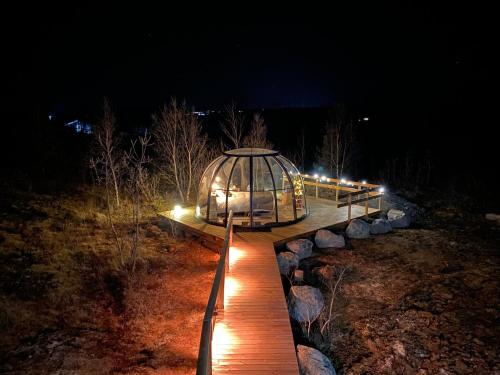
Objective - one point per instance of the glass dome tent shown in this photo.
(260, 186)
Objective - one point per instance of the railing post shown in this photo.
(380, 203)
(349, 200)
(366, 202)
(316, 188)
(337, 193)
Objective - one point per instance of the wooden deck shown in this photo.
(252, 335)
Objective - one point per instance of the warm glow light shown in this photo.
(198, 211)
(323, 178)
(217, 179)
(316, 175)
(381, 190)
(363, 182)
(234, 255)
(223, 341)
(231, 288)
(215, 186)
(178, 211)
(343, 181)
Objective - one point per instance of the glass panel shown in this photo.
(238, 197)
(262, 180)
(298, 186)
(201, 207)
(218, 191)
(285, 205)
(263, 207)
(279, 175)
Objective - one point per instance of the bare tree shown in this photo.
(333, 289)
(257, 137)
(182, 148)
(335, 154)
(137, 182)
(232, 125)
(106, 160)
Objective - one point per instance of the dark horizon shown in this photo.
(422, 74)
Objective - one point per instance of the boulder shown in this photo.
(313, 362)
(302, 248)
(358, 229)
(493, 217)
(287, 262)
(380, 226)
(305, 303)
(324, 238)
(398, 219)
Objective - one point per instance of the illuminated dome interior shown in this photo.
(260, 186)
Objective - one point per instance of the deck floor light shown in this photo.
(177, 211)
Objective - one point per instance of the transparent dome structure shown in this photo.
(260, 186)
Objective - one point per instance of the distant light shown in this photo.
(365, 118)
(50, 117)
(381, 190)
(316, 175)
(217, 179)
(343, 180)
(323, 178)
(178, 211)
(215, 186)
(363, 182)
(198, 211)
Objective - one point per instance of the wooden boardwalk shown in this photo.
(252, 335)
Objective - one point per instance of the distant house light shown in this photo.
(50, 116)
(79, 126)
(365, 118)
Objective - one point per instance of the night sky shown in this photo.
(422, 73)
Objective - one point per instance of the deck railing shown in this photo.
(347, 193)
(215, 303)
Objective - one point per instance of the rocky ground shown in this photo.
(423, 300)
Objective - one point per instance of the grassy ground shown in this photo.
(68, 306)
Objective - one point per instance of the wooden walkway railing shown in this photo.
(215, 303)
(347, 193)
